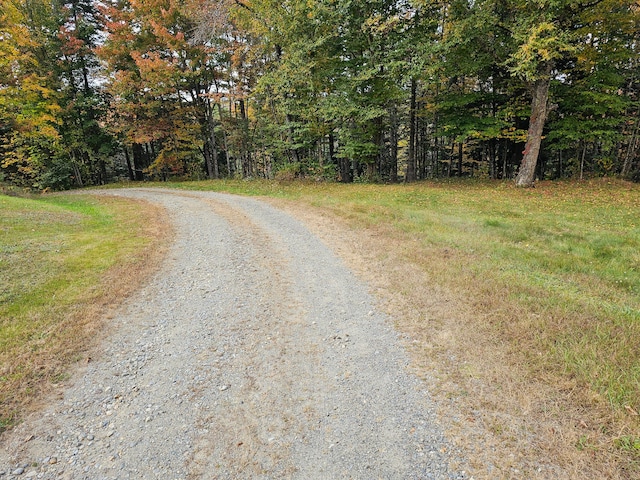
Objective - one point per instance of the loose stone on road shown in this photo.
(252, 353)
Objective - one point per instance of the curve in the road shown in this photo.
(253, 353)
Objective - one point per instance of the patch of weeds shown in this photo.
(628, 443)
(585, 443)
(5, 423)
(494, 222)
(60, 377)
(497, 428)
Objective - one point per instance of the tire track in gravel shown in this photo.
(253, 353)
(252, 431)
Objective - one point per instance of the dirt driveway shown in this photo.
(253, 353)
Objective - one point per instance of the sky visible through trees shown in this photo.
(376, 90)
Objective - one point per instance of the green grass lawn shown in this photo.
(54, 254)
(569, 253)
(552, 274)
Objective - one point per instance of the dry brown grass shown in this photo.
(73, 331)
(513, 417)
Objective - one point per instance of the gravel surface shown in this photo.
(252, 353)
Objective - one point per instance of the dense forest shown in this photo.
(371, 90)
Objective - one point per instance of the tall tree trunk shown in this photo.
(295, 156)
(103, 171)
(491, 154)
(372, 171)
(150, 153)
(224, 140)
(206, 152)
(410, 175)
(375, 162)
(460, 156)
(332, 159)
(559, 175)
(539, 112)
(584, 154)
(453, 147)
(129, 167)
(630, 153)
(393, 141)
(247, 165)
(346, 172)
(214, 151)
(436, 158)
(505, 157)
(138, 161)
(212, 158)
(76, 170)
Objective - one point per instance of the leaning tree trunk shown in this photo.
(539, 110)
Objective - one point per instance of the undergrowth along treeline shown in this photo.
(64, 260)
(355, 91)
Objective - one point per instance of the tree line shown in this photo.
(369, 90)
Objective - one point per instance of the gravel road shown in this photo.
(252, 353)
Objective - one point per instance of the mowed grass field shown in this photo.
(521, 306)
(64, 259)
(539, 316)
(568, 252)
